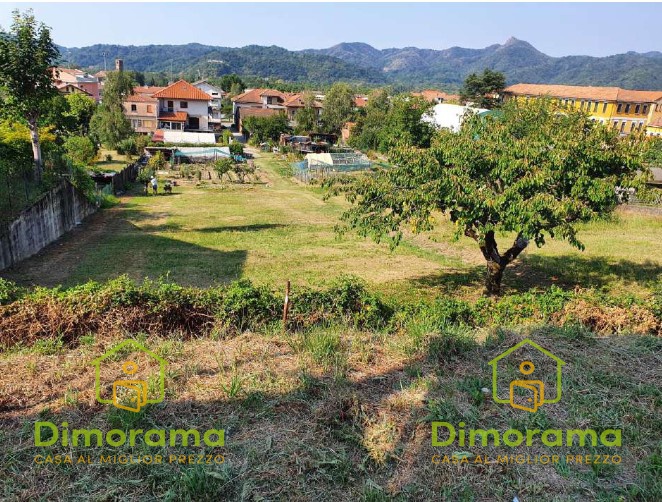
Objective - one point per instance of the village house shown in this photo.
(625, 110)
(296, 102)
(71, 80)
(258, 98)
(437, 97)
(141, 108)
(217, 94)
(182, 106)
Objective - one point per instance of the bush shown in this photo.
(80, 150)
(236, 148)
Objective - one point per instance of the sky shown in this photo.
(561, 29)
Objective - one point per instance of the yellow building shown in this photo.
(625, 110)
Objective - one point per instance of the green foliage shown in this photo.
(223, 166)
(27, 53)
(127, 146)
(306, 117)
(385, 123)
(482, 90)
(338, 107)
(231, 84)
(263, 129)
(529, 170)
(236, 148)
(80, 150)
(109, 125)
(80, 109)
(10, 291)
(157, 162)
(81, 179)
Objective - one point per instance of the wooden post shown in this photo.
(286, 305)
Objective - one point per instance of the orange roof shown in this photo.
(656, 123)
(254, 95)
(360, 101)
(296, 101)
(173, 116)
(433, 95)
(258, 112)
(183, 90)
(584, 92)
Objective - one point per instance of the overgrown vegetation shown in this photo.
(121, 305)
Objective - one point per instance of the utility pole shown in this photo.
(104, 54)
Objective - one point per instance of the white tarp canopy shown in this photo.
(447, 116)
(202, 138)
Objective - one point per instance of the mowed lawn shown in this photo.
(278, 229)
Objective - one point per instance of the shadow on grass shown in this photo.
(125, 242)
(565, 271)
(326, 435)
(256, 227)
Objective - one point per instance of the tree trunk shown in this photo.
(496, 263)
(36, 149)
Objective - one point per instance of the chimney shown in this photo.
(119, 64)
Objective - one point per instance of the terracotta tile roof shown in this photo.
(183, 90)
(656, 123)
(255, 95)
(147, 89)
(250, 96)
(173, 116)
(360, 101)
(433, 95)
(257, 112)
(70, 87)
(296, 101)
(583, 92)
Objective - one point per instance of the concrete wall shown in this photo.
(55, 213)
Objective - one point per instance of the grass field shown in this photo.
(331, 409)
(277, 229)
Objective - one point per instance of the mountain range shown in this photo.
(362, 63)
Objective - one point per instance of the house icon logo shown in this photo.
(133, 376)
(536, 380)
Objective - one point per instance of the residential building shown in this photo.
(259, 98)
(296, 102)
(70, 80)
(217, 94)
(437, 97)
(449, 116)
(625, 110)
(181, 106)
(141, 108)
(244, 112)
(654, 127)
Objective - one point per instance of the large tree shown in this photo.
(27, 54)
(530, 170)
(385, 122)
(483, 90)
(109, 125)
(338, 107)
(306, 117)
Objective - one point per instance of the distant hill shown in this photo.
(359, 62)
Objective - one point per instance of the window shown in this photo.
(645, 109)
(604, 107)
(183, 104)
(171, 106)
(134, 108)
(636, 109)
(149, 108)
(595, 106)
(623, 126)
(634, 124)
(615, 124)
(627, 108)
(618, 109)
